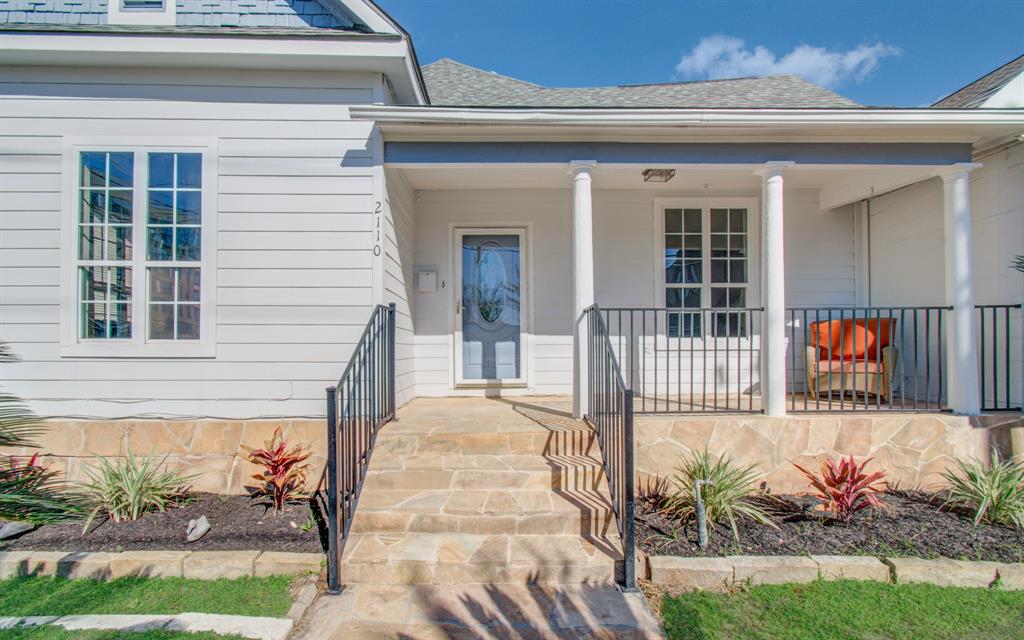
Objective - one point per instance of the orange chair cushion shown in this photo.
(852, 339)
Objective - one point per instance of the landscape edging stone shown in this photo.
(104, 564)
(723, 572)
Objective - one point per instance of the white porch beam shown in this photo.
(582, 272)
(860, 187)
(963, 388)
(773, 329)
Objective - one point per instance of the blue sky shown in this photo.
(900, 52)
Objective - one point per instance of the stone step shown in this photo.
(570, 442)
(460, 558)
(581, 478)
(530, 512)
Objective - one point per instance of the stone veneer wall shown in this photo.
(912, 449)
(210, 448)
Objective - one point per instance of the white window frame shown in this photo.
(139, 345)
(166, 15)
(753, 285)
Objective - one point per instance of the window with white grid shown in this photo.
(706, 265)
(139, 254)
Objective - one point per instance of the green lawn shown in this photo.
(54, 633)
(58, 596)
(846, 610)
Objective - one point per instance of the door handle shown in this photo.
(458, 306)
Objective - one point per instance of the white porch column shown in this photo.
(582, 273)
(963, 390)
(773, 325)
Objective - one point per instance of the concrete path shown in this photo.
(258, 628)
(482, 611)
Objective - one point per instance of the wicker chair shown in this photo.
(852, 356)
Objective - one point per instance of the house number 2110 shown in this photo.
(376, 224)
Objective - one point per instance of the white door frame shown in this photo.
(458, 232)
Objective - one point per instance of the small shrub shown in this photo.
(845, 488)
(284, 476)
(28, 492)
(126, 489)
(725, 498)
(995, 493)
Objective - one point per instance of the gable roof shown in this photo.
(975, 94)
(229, 14)
(452, 83)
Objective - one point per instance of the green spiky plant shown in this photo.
(29, 492)
(994, 492)
(1018, 263)
(128, 488)
(726, 492)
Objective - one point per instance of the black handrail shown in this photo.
(996, 337)
(692, 360)
(610, 412)
(878, 358)
(361, 402)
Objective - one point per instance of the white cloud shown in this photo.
(723, 56)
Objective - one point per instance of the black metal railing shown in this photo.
(361, 402)
(610, 413)
(866, 358)
(1000, 336)
(688, 360)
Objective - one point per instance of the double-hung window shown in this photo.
(141, 272)
(707, 266)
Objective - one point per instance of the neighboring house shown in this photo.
(203, 201)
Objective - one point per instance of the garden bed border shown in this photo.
(198, 565)
(718, 572)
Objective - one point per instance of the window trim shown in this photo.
(753, 207)
(139, 345)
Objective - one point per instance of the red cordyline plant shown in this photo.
(845, 487)
(284, 476)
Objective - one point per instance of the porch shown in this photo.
(710, 285)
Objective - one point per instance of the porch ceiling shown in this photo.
(838, 184)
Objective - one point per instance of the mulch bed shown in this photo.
(236, 523)
(914, 526)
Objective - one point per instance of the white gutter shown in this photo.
(691, 117)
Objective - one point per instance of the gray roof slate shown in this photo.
(277, 14)
(974, 95)
(451, 83)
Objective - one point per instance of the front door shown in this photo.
(489, 311)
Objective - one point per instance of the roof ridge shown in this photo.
(708, 80)
(484, 71)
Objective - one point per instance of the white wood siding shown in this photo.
(295, 278)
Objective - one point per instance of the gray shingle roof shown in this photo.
(277, 14)
(975, 94)
(452, 83)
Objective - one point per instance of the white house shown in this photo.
(202, 203)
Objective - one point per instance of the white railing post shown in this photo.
(963, 390)
(582, 274)
(773, 328)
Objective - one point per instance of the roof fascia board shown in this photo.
(379, 20)
(372, 16)
(696, 117)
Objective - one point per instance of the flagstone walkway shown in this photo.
(483, 518)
